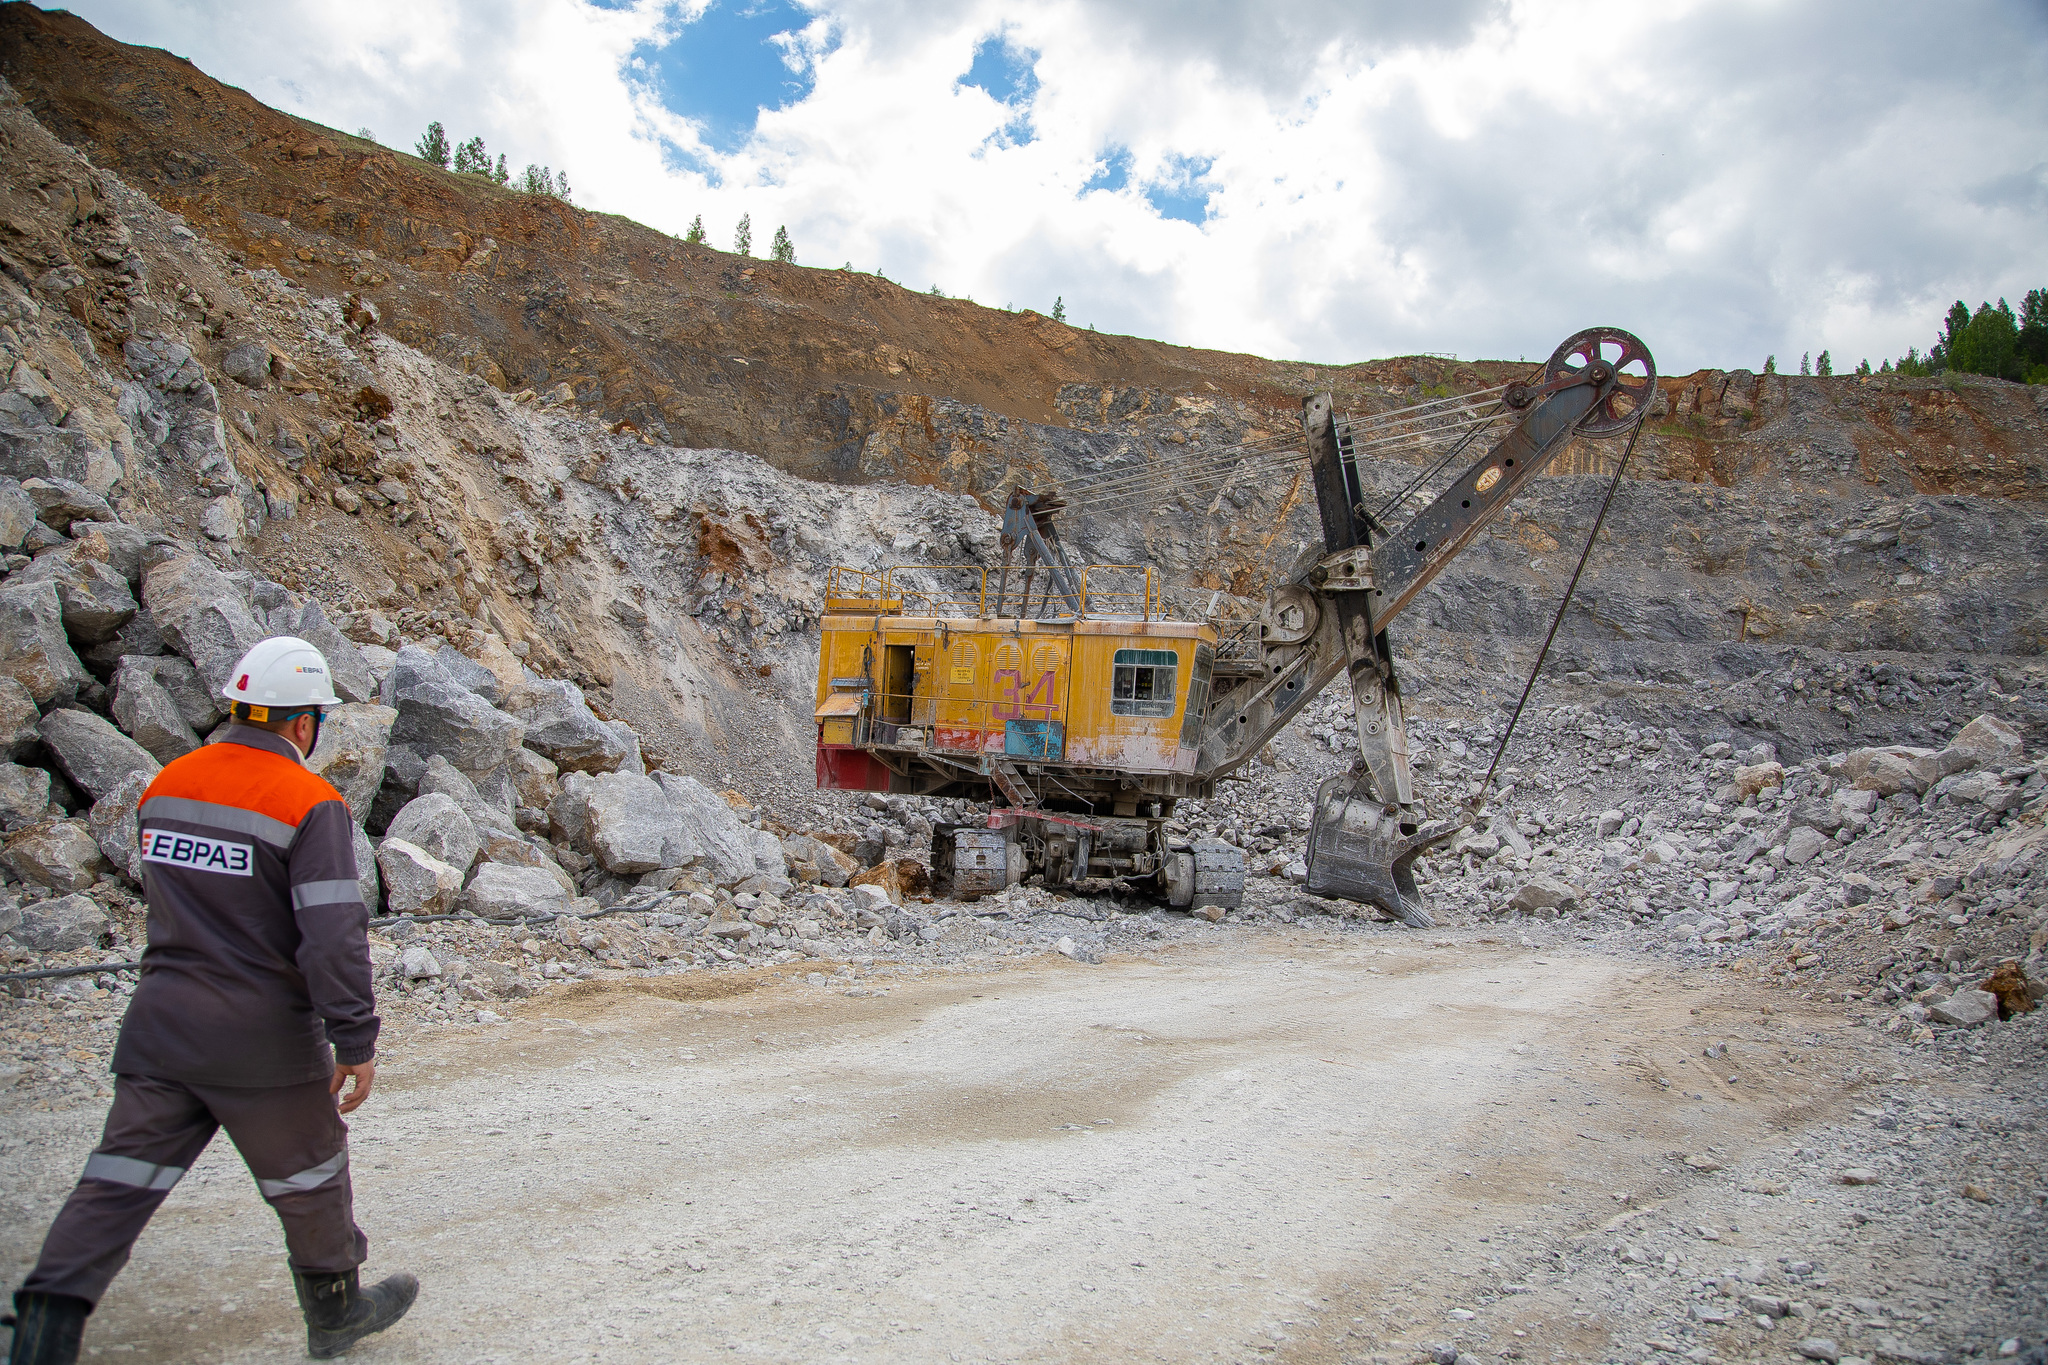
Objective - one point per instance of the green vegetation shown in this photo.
(1770, 364)
(1990, 341)
(470, 158)
(433, 145)
(695, 236)
(1059, 308)
(743, 236)
(782, 249)
(1825, 365)
(539, 180)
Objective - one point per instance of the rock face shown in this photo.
(61, 854)
(435, 824)
(92, 753)
(415, 881)
(33, 648)
(61, 925)
(559, 724)
(201, 615)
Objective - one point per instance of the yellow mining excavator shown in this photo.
(1066, 697)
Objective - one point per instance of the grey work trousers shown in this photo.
(291, 1136)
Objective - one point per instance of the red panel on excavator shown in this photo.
(850, 770)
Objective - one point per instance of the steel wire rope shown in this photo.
(1563, 605)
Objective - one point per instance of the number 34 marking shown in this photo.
(1036, 704)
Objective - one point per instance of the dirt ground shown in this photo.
(1295, 1146)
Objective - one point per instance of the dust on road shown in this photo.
(1289, 1147)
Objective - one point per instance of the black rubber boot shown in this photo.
(47, 1328)
(340, 1313)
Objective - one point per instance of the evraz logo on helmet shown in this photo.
(302, 668)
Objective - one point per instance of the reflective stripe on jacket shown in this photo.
(258, 952)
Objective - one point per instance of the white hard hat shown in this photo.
(283, 672)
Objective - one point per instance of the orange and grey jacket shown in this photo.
(258, 952)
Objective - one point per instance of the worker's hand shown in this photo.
(365, 1074)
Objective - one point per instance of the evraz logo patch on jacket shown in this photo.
(197, 852)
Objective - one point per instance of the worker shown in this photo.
(253, 1011)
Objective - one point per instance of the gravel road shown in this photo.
(1292, 1144)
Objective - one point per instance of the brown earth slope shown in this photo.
(835, 374)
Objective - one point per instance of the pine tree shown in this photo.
(1863, 366)
(433, 146)
(1989, 344)
(562, 186)
(782, 249)
(743, 236)
(936, 292)
(540, 180)
(1770, 364)
(695, 236)
(2033, 338)
(500, 175)
(1806, 362)
(472, 159)
(1059, 308)
(1825, 365)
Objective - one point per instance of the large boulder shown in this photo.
(92, 753)
(95, 601)
(1991, 741)
(712, 827)
(114, 827)
(346, 666)
(20, 720)
(202, 707)
(366, 870)
(502, 891)
(24, 795)
(813, 860)
(61, 925)
(631, 826)
(34, 650)
(439, 775)
(1888, 774)
(201, 615)
(17, 514)
(415, 881)
(435, 823)
(350, 754)
(61, 854)
(60, 503)
(438, 715)
(148, 712)
(559, 724)
(1545, 896)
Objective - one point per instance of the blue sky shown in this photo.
(1319, 179)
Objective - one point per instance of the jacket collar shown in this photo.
(254, 738)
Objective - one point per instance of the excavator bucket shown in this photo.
(1359, 851)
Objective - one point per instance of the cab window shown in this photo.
(1142, 682)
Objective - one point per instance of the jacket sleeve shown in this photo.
(334, 945)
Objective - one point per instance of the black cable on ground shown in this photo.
(1557, 620)
(51, 972)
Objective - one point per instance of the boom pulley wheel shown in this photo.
(1613, 353)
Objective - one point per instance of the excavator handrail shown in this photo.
(896, 591)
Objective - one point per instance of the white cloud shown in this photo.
(1727, 180)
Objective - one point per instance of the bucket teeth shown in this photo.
(1360, 852)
